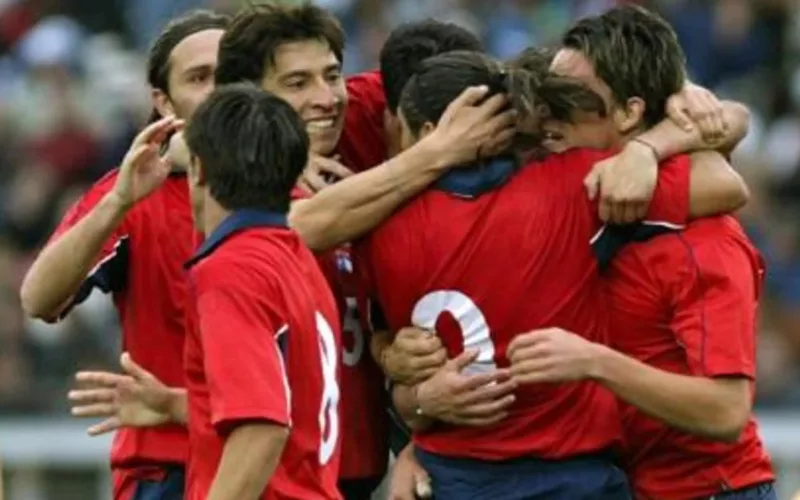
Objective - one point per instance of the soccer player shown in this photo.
(438, 278)
(683, 305)
(263, 344)
(129, 235)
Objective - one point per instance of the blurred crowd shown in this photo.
(73, 93)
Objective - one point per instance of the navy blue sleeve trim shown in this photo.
(609, 240)
(110, 275)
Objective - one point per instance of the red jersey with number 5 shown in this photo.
(365, 425)
(480, 271)
(263, 345)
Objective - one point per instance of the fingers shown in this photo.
(592, 182)
(463, 360)
(524, 340)
(313, 180)
(533, 369)
(429, 362)
(157, 132)
(488, 409)
(132, 368)
(106, 379)
(91, 396)
(108, 425)
(469, 97)
(492, 106)
(679, 116)
(332, 167)
(94, 410)
(480, 380)
(416, 342)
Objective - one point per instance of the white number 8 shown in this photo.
(474, 329)
(329, 407)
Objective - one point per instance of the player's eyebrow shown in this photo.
(306, 73)
(199, 69)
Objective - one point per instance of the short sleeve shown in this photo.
(363, 144)
(109, 274)
(715, 306)
(670, 203)
(242, 357)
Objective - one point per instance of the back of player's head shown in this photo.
(251, 147)
(158, 61)
(256, 33)
(635, 52)
(533, 92)
(411, 43)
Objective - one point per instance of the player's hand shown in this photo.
(472, 400)
(408, 480)
(697, 106)
(321, 172)
(625, 183)
(467, 131)
(136, 399)
(550, 355)
(413, 356)
(143, 169)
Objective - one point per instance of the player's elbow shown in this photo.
(33, 304)
(311, 225)
(732, 413)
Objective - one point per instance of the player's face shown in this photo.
(309, 77)
(191, 75)
(586, 129)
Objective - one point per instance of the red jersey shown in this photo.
(365, 425)
(480, 271)
(686, 303)
(141, 266)
(263, 344)
(363, 142)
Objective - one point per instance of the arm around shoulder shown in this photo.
(715, 187)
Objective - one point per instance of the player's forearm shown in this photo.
(63, 265)
(405, 402)
(714, 186)
(693, 404)
(668, 139)
(250, 456)
(353, 206)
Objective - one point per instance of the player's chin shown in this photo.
(324, 142)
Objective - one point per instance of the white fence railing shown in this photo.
(29, 446)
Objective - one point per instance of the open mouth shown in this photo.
(318, 125)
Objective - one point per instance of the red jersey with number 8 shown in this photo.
(480, 271)
(263, 345)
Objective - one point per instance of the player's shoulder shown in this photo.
(367, 84)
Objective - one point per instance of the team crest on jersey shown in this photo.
(343, 261)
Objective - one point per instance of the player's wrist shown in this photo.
(176, 407)
(600, 357)
(117, 203)
(438, 155)
(642, 145)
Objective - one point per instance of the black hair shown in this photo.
(252, 147)
(636, 53)
(533, 91)
(256, 33)
(411, 43)
(158, 60)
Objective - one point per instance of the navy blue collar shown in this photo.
(473, 181)
(235, 222)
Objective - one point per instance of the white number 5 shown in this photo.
(329, 408)
(474, 329)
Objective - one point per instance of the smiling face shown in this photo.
(308, 76)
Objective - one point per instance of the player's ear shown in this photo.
(162, 103)
(629, 116)
(196, 173)
(426, 129)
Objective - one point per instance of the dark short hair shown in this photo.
(252, 147)
(533, 91)
(635, 52)
(411, 43)
(158, 61)
(249, 45)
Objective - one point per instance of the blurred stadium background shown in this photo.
(72, 94)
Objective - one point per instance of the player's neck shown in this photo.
(213, 215)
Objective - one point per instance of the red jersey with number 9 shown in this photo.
(480, 271)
